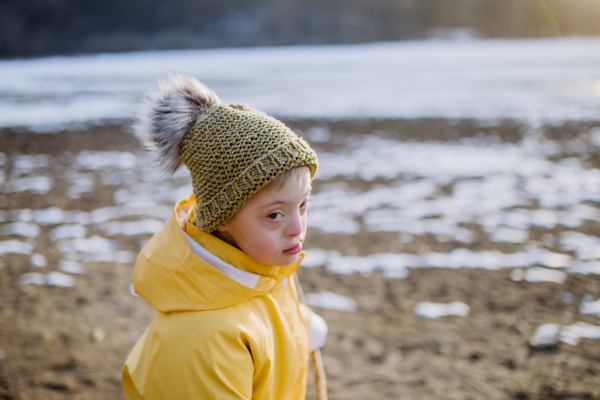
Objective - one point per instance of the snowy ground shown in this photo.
(486, 201)
(462, 268)
(534, 80)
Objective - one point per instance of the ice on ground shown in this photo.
(49, 216)
(590, 307)
(51, 279)
(572, 334)
(24, 215)
(584, 267)
(374, 157)
(38, 260)
(392, 265)
(585, 247)
(516, 274)
(550, 334)
(179, 193)
(333, 221)
(139, 227)
(315, 257)
(100, 160)
(122, 196)
(396, 264)
(59, 279)
(67, 232)
(34, 278)
(503, 177)
(545, 335)
(567, 184)
(80, 183)
(104, 214)
(15, 247)
(94, 244)
(78, 217)
(396, 194)
(71, 267)
(26, 229)
(391, 220)
(349, 265)
(586, 211)
(464, 258)
(145, 194)
(523, 219)
(486, 179)
(397, 221)
(123, 257)
(120, 256)
(34, 184)
(111, 178)
(571, 241)
(552, 260)
(589, 253)
(539, 274)
(436, 310)
(25, 164)
(331, 301)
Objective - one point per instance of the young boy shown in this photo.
(219, 273)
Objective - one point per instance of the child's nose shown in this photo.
(295, 226)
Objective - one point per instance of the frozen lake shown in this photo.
(532, 80)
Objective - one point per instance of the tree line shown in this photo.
(43, 27)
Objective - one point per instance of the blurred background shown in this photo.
(33, 27)
(453, 244)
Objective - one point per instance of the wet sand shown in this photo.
(70, 342)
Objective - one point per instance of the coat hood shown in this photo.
(170, 277)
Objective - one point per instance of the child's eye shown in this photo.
(305, 203)
(276, 216)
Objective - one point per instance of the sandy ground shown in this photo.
(70, 343)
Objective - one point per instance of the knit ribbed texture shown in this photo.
(232, 152)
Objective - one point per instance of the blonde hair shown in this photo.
(282, 178)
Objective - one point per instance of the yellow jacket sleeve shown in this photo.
(192, 361)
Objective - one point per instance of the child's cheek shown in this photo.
(258, 246)
(267, 245)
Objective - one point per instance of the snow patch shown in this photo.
(331, 301)
(437, 310)
(34, 184)
(15, 247)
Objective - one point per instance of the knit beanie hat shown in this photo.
(231, 150)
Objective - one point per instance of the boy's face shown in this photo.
(271, 226)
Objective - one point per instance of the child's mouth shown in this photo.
(294, 250)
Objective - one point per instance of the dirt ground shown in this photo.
(70, 343)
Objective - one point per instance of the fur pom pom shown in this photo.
(167, 114)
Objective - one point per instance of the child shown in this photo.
(219, 273)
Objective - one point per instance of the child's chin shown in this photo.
(285, 259)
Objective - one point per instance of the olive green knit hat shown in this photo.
(231, 151)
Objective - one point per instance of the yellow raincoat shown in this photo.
(213, 337)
